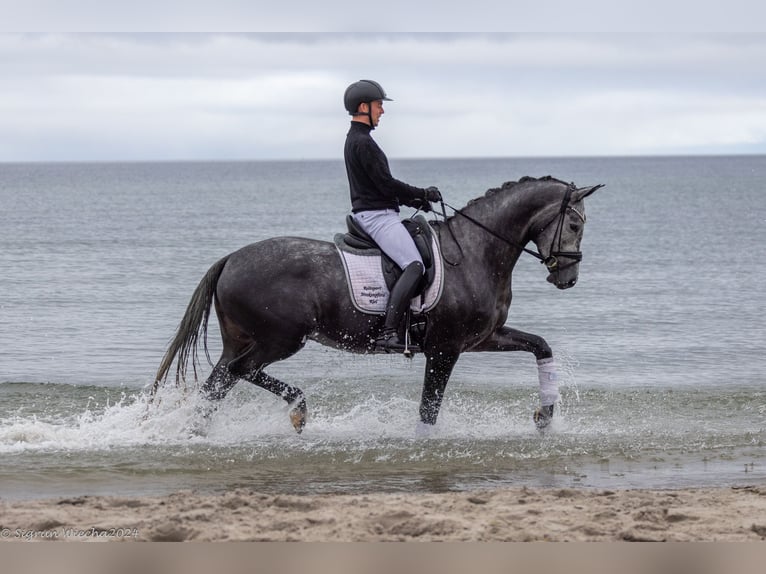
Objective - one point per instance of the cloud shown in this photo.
(239, 96)
(559, 16)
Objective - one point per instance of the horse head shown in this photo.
(558, 236)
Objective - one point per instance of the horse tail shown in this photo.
(192, 325)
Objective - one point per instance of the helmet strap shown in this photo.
(368, 113)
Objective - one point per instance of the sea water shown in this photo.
(661, 342)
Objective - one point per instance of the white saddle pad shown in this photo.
(367, 286)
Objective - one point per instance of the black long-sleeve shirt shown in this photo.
(369, 178)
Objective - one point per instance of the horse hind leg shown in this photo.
(221, 381)
(248, 364)
(292, 395)
(266, 352)
(213, 391)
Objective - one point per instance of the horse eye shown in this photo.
(574, 227)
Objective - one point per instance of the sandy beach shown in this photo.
(515, 514)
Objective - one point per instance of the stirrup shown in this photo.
(390, 342)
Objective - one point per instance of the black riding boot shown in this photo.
(401, 294)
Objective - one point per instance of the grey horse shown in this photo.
(272, 296)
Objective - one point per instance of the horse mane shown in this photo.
(509, 185)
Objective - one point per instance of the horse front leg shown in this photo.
(507, 339)
(439, 365)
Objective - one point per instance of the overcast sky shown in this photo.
(279, 96)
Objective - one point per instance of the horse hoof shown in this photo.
(543, 417)
(298, 416)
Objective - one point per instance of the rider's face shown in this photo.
(376, 110)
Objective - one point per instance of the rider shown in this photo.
(375, 199)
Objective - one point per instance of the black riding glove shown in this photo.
(422, 205)
(433, 194)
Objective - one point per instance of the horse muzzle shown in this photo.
(563, 276)
(561, 283)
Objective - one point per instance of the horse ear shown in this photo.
(583, 192)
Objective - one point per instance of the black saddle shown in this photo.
(421, 233)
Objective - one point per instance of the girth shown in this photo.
(421, 233)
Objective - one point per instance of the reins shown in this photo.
(551, 262)
(480, 225)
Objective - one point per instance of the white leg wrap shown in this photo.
(548, 375)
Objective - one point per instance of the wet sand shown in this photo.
(509, 514)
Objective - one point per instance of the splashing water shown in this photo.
(366, 437)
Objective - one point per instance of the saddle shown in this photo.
(421, 233)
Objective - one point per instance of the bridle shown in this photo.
(555, 254)
(552, 261)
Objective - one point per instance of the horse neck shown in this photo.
(512, 214)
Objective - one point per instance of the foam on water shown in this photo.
(247, 415)
(355, 434)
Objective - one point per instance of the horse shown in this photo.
(272, 296)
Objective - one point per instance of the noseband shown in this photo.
(551, 262)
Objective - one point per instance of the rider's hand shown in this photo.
(423, 206)
(433, 194)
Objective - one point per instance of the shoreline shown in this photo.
(516, 514)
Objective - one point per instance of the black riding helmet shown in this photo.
(363, 91)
